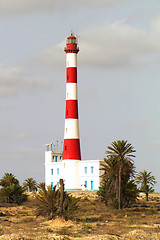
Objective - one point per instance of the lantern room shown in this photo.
(71, 44)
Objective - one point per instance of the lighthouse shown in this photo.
(77, 174)
(71, 147)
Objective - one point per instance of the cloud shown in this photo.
(13, 80)
(11, 135)
(143, 123)
(154, 143)
(14, 7)
(155, 34)
(52, 57)
(25, 155)
(112, 45)
(119, 44)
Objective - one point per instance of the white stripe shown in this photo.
(71, 174)
(71, 91)
(71, 129)
(71, 60)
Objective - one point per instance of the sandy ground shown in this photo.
(93, 221)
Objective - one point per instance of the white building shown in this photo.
(89, 171)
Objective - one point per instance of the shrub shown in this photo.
(48, 203)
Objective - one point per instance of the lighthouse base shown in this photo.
(77, 174)
(71, 175)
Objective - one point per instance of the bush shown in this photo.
(69, 206)
(48, 203)
(113, 202)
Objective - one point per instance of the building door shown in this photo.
(85, 184)
(91, 185)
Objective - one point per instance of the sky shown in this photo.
(118, 80)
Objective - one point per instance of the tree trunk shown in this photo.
(147, 197)
(119, 196)
(61, 190)
(116, 187)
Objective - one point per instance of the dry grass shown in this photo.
(93, 221)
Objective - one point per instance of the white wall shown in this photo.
(91, 178)
(73, 173)
(49, 177)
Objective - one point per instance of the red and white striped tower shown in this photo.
(71, 148)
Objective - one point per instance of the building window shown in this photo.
(52, 171)
(85, 184)
(85, 170)
(57, 171)
(92, 169)
(91, 185)
(65, 147)
(55, 158)
(52, 185)
(67, 112)
(60, 157)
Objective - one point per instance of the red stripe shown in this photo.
(72, 109)
(71, 149)
(71, 75)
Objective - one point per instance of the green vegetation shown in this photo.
(146, 181)
(51, 202)
(11, 191)
(8, 179)
(118, 188)
(30, 185)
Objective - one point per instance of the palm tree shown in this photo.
(110, 175)
(147, 182)
(11, 191)
(109, 191)
(42, 185)
(8, 179)
(121, 153)
(30, 185)
(48, 201)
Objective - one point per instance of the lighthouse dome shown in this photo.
(71, 36)
(71, 39)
